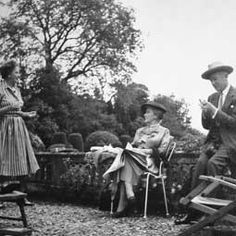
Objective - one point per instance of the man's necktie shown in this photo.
(220, 102)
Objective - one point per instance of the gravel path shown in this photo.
(48, 218)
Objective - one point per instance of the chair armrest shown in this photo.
(219, 180)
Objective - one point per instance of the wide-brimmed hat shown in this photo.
(215, 67)
(154, 105)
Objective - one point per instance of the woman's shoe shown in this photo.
(28, 203)
(132, 205)
(122, 213)
(130, 208)
(9, 187)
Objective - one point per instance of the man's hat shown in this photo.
(215, 67)
(154, 105)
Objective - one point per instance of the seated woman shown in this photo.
(149, 141)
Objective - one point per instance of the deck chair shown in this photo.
(162, 176)
(214, 207)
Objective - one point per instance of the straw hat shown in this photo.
(215, 67)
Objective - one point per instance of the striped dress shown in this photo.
(16, 153)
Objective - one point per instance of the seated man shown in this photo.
(219, 117)
(131, 163)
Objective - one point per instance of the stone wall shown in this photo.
(53, 165)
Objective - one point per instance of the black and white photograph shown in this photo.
(118, 117)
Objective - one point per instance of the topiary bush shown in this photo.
(76, 140)
(101, 138)
(59, 137)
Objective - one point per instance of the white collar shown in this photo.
(226, 90)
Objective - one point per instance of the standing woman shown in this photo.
(17, 159)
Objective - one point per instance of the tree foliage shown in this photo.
(177, 118)
(178, 121)
(58, 41)
(71, 52)
(127, 102)
(78, 37)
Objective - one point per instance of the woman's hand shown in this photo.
(29, 114)
(147, 151)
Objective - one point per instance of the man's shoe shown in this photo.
(187, 219)
(183, 220)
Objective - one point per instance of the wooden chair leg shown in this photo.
(187, 199)
(208, 220)
(21, 205)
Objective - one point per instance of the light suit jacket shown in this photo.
(154, 136)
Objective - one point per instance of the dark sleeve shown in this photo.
(207, 117)
(206, 121)
(227, 119)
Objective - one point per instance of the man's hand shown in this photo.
(207, 107)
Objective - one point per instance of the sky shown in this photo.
(181, 38)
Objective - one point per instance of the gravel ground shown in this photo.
(47, 218)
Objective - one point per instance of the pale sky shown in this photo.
(181, 38)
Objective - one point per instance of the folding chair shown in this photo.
(162, 176)
(216, 208)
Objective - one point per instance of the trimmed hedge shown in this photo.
(101, 138)
(76, 140)
(59, 137)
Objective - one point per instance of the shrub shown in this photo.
(125, 138)
(190, 143)
(76, 178)
(59, 137)
(77, 141)
(101, 138)
(81, 181)
(36, 142)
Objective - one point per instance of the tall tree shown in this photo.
(79, 37)
(127, 102)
